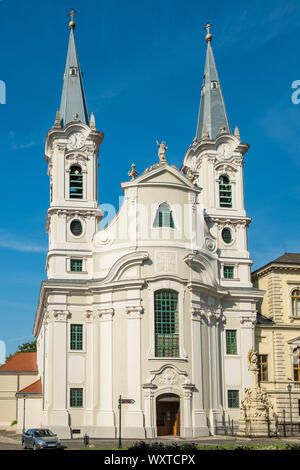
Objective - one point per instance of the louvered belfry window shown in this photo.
(76, 183)
(166, 323)
(225, 192)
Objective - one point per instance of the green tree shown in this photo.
(25, 347)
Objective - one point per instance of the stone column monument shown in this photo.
(257, 415)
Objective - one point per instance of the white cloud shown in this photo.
(12, 242)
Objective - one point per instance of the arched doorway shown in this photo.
(168, 415)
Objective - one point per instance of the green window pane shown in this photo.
(231, 343)
(76, 342)
(76, 397)
(76, 265)
(166, 323)
(233, 399)
(228, 272)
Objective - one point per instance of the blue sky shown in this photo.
(143, 64)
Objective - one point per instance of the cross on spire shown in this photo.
(209, 35)
(72, 22)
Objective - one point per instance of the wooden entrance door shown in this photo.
(168, 418)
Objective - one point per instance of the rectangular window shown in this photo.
(76, 337)
(76, 265)
(263, 367)
(76, 397)
(166, 324)
(233, 399)
(231, 343)
(228, 272)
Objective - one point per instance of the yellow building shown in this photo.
(16, 375)
(278, 334)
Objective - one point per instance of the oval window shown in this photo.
(76, 228)
(226, 235)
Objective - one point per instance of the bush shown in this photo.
(13, 423)
(159, 446)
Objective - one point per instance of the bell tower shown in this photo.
(217, 158)
(72, 152)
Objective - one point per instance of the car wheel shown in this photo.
(34, 446)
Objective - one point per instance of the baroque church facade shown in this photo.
(158, 307)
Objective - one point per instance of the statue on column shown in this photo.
(257, 414)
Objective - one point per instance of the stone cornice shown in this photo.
(229, 220)
(273, 268)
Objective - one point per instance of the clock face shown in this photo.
(76, 140)
(224, 150)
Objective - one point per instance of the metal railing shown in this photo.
(283, 427)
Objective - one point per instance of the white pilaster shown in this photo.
(134, 416)
(247, 343)
(89, 383)
(199, 414)
(60, 416)
(149, 403)
(186, 428)
(106, 419)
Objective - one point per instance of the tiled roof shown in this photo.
(21, 362)
(287, 258)
(36, 387)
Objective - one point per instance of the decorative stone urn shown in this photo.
(257, 415)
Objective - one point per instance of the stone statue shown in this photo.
(257, 414)
(162, 151)
(191, 175)
(133, 173)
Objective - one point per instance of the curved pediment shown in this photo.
(124, 264)
(199, 263)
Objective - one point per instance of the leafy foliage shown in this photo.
(159, 446)
(25, 347)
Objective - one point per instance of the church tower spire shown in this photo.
(212, 113)
(73, 103)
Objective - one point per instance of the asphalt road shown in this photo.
(10, 441)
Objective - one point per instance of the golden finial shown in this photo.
(209, 35)
(72, 22)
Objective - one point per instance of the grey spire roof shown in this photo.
(73, 98)
(212, 113)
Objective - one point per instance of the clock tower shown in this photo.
(217, 159)
(72, 151)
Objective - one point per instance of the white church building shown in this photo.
(158, 307)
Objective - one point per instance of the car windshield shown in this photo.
(44, 433)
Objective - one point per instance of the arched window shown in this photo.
(76, 183)
(164, 216)
(225, 192)
(296, 364)
(296, 303)
(166, 323)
